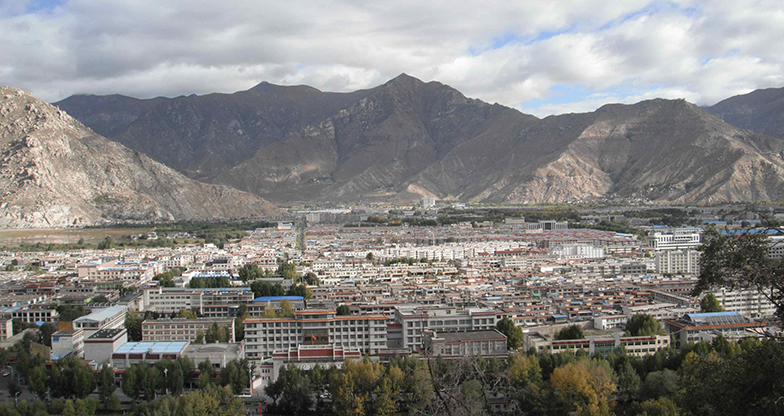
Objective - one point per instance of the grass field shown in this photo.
(91, 235)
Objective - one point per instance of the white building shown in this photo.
(676, 239)
(678, 262)
(108, 318)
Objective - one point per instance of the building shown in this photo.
(98, 347)
(677, 262)
(607, 322)
(108, 318)
(6, 329)
(749, 302)
(131, 353)
(465, 344)
(692, 327)
(219, 354)
(265, 336)
(213, 302)
(120, 270)
(68, 342)
(181, 329)
(675, 239)
(638, 346)
(35, 314)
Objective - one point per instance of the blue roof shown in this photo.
(274, 298)
(151, 347)
(709, 314)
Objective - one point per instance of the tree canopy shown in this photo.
(570, 332)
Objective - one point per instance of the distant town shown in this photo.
(320, 288)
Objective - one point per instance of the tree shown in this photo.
(300, 290)
(311, 279)
(164, 279)
(199, 337)
(106, 385)
(514, 335)
(709, 303)
(250, 272)
(129, 380)
(287, 270)
(47, 329)
(106, 244)
(584, 387)
(641, 325)
(570, 332)
(286, 311)
(742, 261)
(269, 311)
(343, 310)
(99, 299)
(113, 403)
(37, 381)
(133, 323)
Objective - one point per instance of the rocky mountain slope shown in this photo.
(408, 139)
(761, 111)
(55, 172)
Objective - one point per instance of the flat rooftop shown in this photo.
(106, 333)
(152, 347)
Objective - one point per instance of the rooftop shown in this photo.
(152, 347)
(102, 314)
(107, 333)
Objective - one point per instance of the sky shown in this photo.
(541, 57)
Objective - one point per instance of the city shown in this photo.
(320, 289)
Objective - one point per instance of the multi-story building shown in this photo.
(120, 270)
(210, 302)
(6, 329)
(677, 262)
(465, 344)
(414, 321)
(179, 329)
(108, 318)
(35, 314)
(638, 346)
(265, 336)
(692, 327)
(675, 239)
(68, 342)
(749, 302)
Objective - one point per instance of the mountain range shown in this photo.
(55, 172)
(407, 139)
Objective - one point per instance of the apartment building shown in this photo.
(749, 302)
(413, 321)
(35, 314)
(465, 344)
(120, 270)
(678, 262)
(265, 336)
(108, 318)
(180, 329)
(675, 239)
(210, 301)
(691, 327)
(637, 346)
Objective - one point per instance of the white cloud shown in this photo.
(498, 51)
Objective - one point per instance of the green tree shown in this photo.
(37, 381)
(343, 310)
(300, 290)
(709, 303)
(133, 323)
(164, 279)
(286, 311)
(250, 272)
(311, 279)
(199, 337)
(570, 332)
(514, 335)
(46, 330)
(106, 385)
(106, 244)
(113, 403)
(742, 261)
(641, 325)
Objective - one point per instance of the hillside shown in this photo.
(408, 139)
(55, 172)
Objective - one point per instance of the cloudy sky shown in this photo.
(542, 57)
